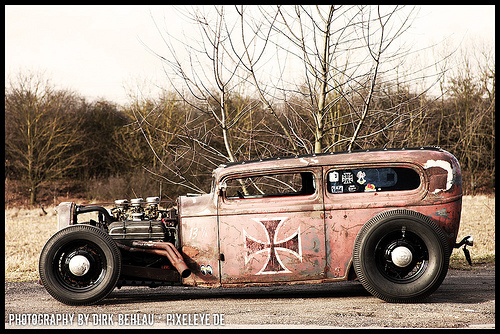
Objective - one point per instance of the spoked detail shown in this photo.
(80, 266)
(401, 259)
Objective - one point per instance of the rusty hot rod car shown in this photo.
(387, 217)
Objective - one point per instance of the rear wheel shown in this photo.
(401, 256)
(80, 265)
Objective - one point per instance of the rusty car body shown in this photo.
(387, 217)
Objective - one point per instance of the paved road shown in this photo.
(466, 299)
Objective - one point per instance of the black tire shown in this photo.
(416, 276)
(88, 287)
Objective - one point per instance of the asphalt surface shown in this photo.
(466, 299)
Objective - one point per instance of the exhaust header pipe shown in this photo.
(160, 248)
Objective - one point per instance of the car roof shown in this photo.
(411, 154)
(434, 148)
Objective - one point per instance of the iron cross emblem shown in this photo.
(290, 244)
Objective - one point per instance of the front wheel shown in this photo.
(401, 256)
(80, 265)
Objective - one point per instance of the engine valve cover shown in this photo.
(138, 230)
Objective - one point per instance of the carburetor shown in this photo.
(139, 220)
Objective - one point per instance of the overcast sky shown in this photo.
(98, 51)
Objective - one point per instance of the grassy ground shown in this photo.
(26, 232)
(478, 220)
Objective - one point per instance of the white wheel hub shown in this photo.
(79, 265)
(401, 256)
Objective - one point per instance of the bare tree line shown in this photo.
(231, 97)
(344, 54)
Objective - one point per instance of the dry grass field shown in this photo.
(478, 220)
(26, 231)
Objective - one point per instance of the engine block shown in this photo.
(136, 220)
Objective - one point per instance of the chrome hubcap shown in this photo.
(401, 256)
(79, 265)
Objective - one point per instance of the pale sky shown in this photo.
(98, 51)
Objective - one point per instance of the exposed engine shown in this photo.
(146, 235)
(136, 220)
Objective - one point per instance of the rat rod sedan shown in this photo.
(387, 217)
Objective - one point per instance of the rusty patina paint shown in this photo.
(306, 238)
(200, 239)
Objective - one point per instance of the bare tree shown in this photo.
(40, 130)
(155, 137)
(343, 52)
(251, 59)
(472, 131)
(348, 56)
(210, 77)
(316, 43)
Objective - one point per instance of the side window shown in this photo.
(271, 185)
(372, 179)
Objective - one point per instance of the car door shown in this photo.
(354, 194)
(271, 227)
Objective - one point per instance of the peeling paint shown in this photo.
(311, 161)
(444, 165)
(441, 213)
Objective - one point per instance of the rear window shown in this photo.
(372, 179)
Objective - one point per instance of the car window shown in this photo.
(269, 185)
(372, 179)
